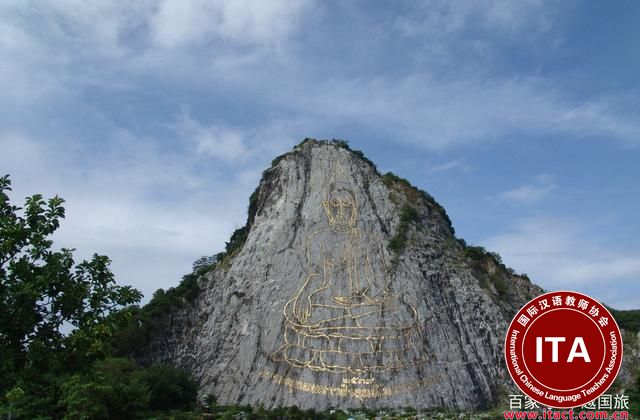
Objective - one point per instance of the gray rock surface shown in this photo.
(399, 312)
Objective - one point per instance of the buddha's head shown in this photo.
(340, 205)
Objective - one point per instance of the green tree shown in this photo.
(44, 293)
(170, 388)
(204, 264)
(117, 388)
(111, 389)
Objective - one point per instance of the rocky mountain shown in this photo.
(345, 288)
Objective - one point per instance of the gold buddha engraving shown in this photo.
(345, 317)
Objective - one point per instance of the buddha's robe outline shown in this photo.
(357, 326)
(344, 317)
(340, 273)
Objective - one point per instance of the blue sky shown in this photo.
(154, 120)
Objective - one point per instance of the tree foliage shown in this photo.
(118, 388)
(58, 319)
(627, 319)
(43, 292)
(110, 389)
(169, 388)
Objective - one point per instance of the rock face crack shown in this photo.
(374, 208)
(305, 167)
(309, 311)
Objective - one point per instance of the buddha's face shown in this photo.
(340, 209)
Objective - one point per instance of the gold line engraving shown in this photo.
(347, 387)
(345, 318)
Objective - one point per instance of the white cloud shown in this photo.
(19, 150)
(109, 27)
(262, 22)
(179, 22)
(53, 49)
(215, 140)
(507, 15)
(601, 117)
(110, 45)
(441, 17)
(530, 193)
(446, 30)
(128, 194)
(133, 202)
(527, 194)
(151, 246)
(563, 254)
(22, 55)
(423, 110)
(238, 145)
(98, 28)
(458, 164)
(220, 142)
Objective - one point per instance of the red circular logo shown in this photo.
(563, 349)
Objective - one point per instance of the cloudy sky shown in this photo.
(155, 119)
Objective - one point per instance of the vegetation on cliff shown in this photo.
(627, 320)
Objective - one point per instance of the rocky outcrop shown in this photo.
(349, 289)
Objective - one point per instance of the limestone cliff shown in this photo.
(347, 288)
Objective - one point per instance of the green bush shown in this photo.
(501, 285)
(634, 396)
(628, 320)
(116, 388)
(390, 178)
(496, 257)
(476, 253)
(170, 388)
(408, 215)
(34, 395)
(480, 260)
(413, 194)
(110, 389)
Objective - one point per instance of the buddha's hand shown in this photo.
(302, 309)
